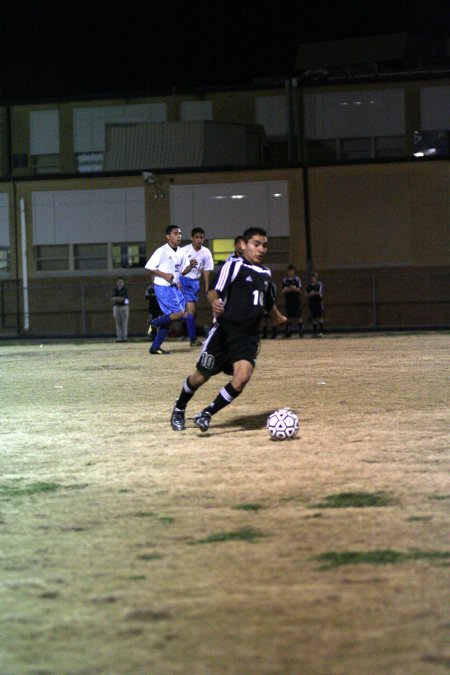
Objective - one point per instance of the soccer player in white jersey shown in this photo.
(196, 261)
(239, 297)
(164, 264)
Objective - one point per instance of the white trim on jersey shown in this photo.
(224, 272)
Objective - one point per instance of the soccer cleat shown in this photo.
(158, 351)
(196, 343)
(151, 332)
(177, 421)
(202, 420)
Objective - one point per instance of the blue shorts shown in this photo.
(190, 288)
(170, 299)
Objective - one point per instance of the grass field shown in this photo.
(129, 548)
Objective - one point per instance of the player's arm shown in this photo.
(187, 268)
(206, 278)
(168, 276)
(277, 317)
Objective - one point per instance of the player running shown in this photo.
(238, 299)
(164, 264)
(196, 261)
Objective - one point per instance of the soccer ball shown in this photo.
(282, 424)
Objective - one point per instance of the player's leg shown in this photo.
(288, 328)
(190, 386)
(121, 319)
(321, 320)
(171, 302)
(300, 319)
(125, 322)
(191, 309)
(190, 289)
(242, 372)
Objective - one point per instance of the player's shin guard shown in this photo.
(160, 337)
(226, 396)
(190, 324)
(186, 394)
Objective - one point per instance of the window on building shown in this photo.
(221, 249)
(44, 141)
(128, 255)
(5, 263)
(90, 256)
(52, 258)
(87, 257)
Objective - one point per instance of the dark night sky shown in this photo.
(64, 48)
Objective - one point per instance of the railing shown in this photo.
(386, 299)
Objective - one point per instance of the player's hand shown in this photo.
(218, 306)
(193, 262)
(169, 277)
(279, 318)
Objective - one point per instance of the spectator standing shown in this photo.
(121, 310)
(314, 293)
(291, 287)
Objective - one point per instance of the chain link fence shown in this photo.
(389, 299)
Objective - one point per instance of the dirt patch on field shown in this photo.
(129, 548)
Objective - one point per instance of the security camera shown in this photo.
(148, 176)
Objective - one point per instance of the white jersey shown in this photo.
(165, 259)
(203, 257)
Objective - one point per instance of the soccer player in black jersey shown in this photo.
(238, 297)
(314, 293)
(291, 287)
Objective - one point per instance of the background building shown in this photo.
(345, 163)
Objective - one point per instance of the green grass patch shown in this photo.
(244, 534)
(333, 559)
(418, 519)
(345, 500)
(150, 556)
(168, 520)
(7, 490)
(249, 507)
(439, 498)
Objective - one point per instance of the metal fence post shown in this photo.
(83, 310)
(374, 301)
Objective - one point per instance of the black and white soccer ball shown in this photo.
(282, 424)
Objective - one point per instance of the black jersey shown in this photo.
(244, 287)
(288, 282)
(316, 288)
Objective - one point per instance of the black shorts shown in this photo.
(223, 347)
(293, 304)
(316, 307)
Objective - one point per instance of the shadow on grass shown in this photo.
(248, 422)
